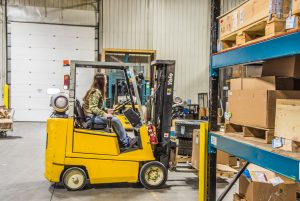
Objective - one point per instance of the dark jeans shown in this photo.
(118, 127)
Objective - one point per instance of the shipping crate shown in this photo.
(287, 124)
(252, 21)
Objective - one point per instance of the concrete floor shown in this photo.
(22, 167)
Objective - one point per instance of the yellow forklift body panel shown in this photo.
(55, 148)
(88, 142)
(108, 171)
(97, 151)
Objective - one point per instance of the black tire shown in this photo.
(74, 179)
(159, 171)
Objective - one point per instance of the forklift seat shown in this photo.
(86, 122)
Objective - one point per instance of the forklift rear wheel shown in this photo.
(153, 175)
(74, 178)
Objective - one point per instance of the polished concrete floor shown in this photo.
(22, 167)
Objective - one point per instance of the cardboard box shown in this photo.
(253, 70)
(295, 7)
(237, 197)
(261, 186)
(196, 148)
(287, 124)
(286, 67)
(260, 191)
(256, 108)
(249, 12)
(226, 159)
(265, 83)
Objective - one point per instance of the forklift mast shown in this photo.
(162, 81)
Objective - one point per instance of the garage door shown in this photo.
(37, 54)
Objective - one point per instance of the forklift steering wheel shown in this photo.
(122, 105)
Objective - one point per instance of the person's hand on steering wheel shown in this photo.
(110, 111)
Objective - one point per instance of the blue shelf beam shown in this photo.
(285, 45)
(285, 166)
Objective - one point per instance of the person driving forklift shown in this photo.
(93, 107)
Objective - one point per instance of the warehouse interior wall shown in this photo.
(65, 12)
(176, 29)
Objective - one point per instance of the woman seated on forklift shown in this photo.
(92, 106)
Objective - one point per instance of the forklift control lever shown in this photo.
(109, 122)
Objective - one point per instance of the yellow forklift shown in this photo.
(77, 154)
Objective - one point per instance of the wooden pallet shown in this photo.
(258, 31)
(290, 145)
(184, 159)
(254, 133)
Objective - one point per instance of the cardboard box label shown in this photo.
(261, 177)
(290, 22)
(276, 181)
(277, 142)
(235, 21)
(213, 140)
(241, 16)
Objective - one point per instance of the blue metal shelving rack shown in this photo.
(281, 162)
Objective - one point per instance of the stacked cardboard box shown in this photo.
(287, 126)
(224, 158)
(252, 101)
(250, 12)
(259, 184)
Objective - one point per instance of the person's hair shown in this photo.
(98, 83)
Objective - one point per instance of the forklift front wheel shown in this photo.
(74, 178)
(153, 175)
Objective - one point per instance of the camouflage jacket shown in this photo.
(93, 104)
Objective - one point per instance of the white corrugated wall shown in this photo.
(227, 5)
(177, 29)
